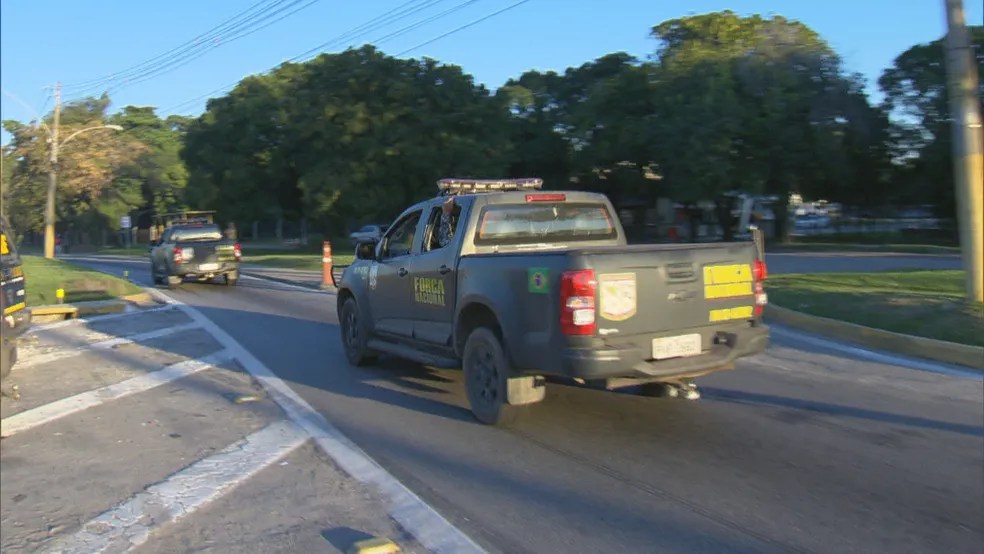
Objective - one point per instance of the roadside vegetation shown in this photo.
(45, 276)
(926, 303)
(297, 260)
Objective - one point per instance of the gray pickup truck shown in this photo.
(520, 284)
(195, 250)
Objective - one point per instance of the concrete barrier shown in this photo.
(920, 347)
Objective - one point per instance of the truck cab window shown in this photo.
(399, 241)
(442, 225)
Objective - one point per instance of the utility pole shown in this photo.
(49, 209)
(968, 147)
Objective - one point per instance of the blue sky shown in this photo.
(44, 41)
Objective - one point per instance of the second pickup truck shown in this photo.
(196, 250)
(513, 284)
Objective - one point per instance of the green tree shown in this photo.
(342, 138)
(759, 105)
(920, 142)
(90, 195)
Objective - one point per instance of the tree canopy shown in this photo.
(724, 103)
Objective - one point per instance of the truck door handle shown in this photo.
(445, 270)
(403, 272)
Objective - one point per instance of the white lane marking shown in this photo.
(131, 523)
(40, 328)
(66, 406)
(103, 345)
(422, 521)
(881, 357)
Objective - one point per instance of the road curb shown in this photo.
(47, 313)
(920, 347)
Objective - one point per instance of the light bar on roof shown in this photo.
(487, 185)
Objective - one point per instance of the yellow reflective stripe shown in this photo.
(14, 308)
(727, 291)
(726, 274)
(724, 314)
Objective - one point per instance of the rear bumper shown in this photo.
(631, 362)
(194, 270)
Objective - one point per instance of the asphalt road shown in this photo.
(804, 448)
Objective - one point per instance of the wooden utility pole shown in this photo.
(49, 209)
(968, 146)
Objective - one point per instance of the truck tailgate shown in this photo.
(652, 289)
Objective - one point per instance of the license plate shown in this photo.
(676, 347)
(208, 267)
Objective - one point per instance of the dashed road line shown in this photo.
(131, 523)
(421, 520)
(66, 406)
(103, 345)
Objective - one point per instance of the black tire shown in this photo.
(173, 281)
(486, 370)
(231, 279)
(354, 334)
(154, 277)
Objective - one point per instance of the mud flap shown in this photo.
(525, 390)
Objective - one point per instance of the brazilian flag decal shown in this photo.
(539, 280)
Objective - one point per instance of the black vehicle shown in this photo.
(13, 299)
(527, 284)
(194, 250)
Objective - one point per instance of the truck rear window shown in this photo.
(192, 233)
(539, 222)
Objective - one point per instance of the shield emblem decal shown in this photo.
(617, 296)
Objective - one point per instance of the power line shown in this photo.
(369, 27)
(223, 34)
(196, 40)
(394, 34)
(180, 63)
(463, 27)
(400, 12)
(408, 28)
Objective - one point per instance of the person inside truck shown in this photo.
(449, 222)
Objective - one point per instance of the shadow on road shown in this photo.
(750, 398)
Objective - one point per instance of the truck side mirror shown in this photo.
(366, 251)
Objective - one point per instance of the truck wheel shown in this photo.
(232, 278)
(173, 281)
(154, 277)
(355, 334)
(487, 379)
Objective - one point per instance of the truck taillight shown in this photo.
(577, 302)
(760, 273)
(182, 255)
(237, 252)
(546, 197)
(760, 270)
